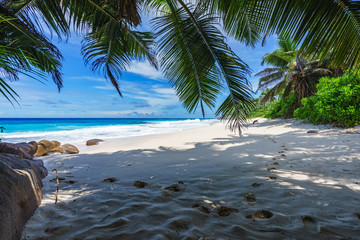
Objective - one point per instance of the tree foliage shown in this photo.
(336, 102)
(187, 40)
(292, 73)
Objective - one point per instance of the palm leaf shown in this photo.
(206, 60)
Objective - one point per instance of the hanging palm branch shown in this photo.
(27, 48)
(319, 26)
(199, 62)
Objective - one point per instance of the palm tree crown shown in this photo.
(291, 73)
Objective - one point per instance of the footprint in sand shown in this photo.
(263, 214)
(358, 215)
(70, 182)
(201, 207)
(272, 177)
(225, 211)
(275, 159)
(110, 180)
(276, 163)
(271, 169)
(281, 152)
(310, 223)
(282, 155)
(174, 188)
(140, 184)
(250, 197)
(257, 184)
(282, 145)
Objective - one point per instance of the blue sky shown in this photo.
(146, 92)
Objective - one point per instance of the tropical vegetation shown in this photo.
(291, 76)
(336, 102)
(187, 42)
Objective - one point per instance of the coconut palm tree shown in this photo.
(291, 73)
(191, 48)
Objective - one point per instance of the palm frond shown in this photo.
(270, 79)
(319, 27)
(40, 14)
(27, 49)
(111, 49)
(189, 33)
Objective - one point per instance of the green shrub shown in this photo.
(283, 108)
(336, 102)
(260, 109)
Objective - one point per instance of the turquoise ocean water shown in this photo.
(73, 130)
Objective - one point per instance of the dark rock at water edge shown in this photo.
(20, 191)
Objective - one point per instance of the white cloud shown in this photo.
(144, 69)
(97, 79)
(165, 91)
(163, 96)
(107, 87)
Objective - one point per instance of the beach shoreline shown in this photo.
(275, 182)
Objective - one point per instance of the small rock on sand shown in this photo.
(226, 211)
(70, 149)
(110, 180)
(94, 141)
(140, 184)
(263, 214)
(312, 131)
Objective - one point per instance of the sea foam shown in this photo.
(106, 132)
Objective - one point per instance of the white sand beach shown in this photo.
(307, 183)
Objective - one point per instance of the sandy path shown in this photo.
(308, 185)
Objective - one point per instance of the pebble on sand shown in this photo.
(263, 214)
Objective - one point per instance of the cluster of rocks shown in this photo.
(20, 191)
(46, 147)
(20, 181)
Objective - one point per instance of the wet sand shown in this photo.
(275, 182)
